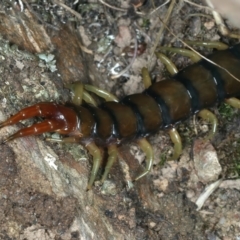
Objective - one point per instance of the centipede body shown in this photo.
(162, 105)
(167, 102)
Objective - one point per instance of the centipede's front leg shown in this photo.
(94, 151)
(81, 93)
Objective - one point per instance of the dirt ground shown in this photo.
(43, 184)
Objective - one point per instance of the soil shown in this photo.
(43, 184)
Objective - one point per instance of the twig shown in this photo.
(130, 64)
(162, 28)
(112, 7)
(38, 17)
(197, 5)
(199, 54)
(76, 14)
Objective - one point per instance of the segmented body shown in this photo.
(162, 105)
(167, 102)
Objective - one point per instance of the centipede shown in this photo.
(192, 90)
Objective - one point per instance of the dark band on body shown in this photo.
(96, 118)
(167, 120)
(115, 129)
(141, 130)
(217, 78)
(235, 50)
(192, 91)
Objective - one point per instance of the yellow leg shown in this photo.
(185, 52)
(215, 44)
(112, 156)
(79, 94)
(210, 117)
(176, 139)
(64, 140)
(77, 90)
(146, 78)
(168, 63)
(101, 93)
(89, 99)
(147, 149)
(234, 102)
(97, 159)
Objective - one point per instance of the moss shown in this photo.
(226, 111)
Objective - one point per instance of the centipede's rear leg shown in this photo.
(173, 133)
(204, 113)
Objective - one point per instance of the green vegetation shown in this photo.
(226, 111)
